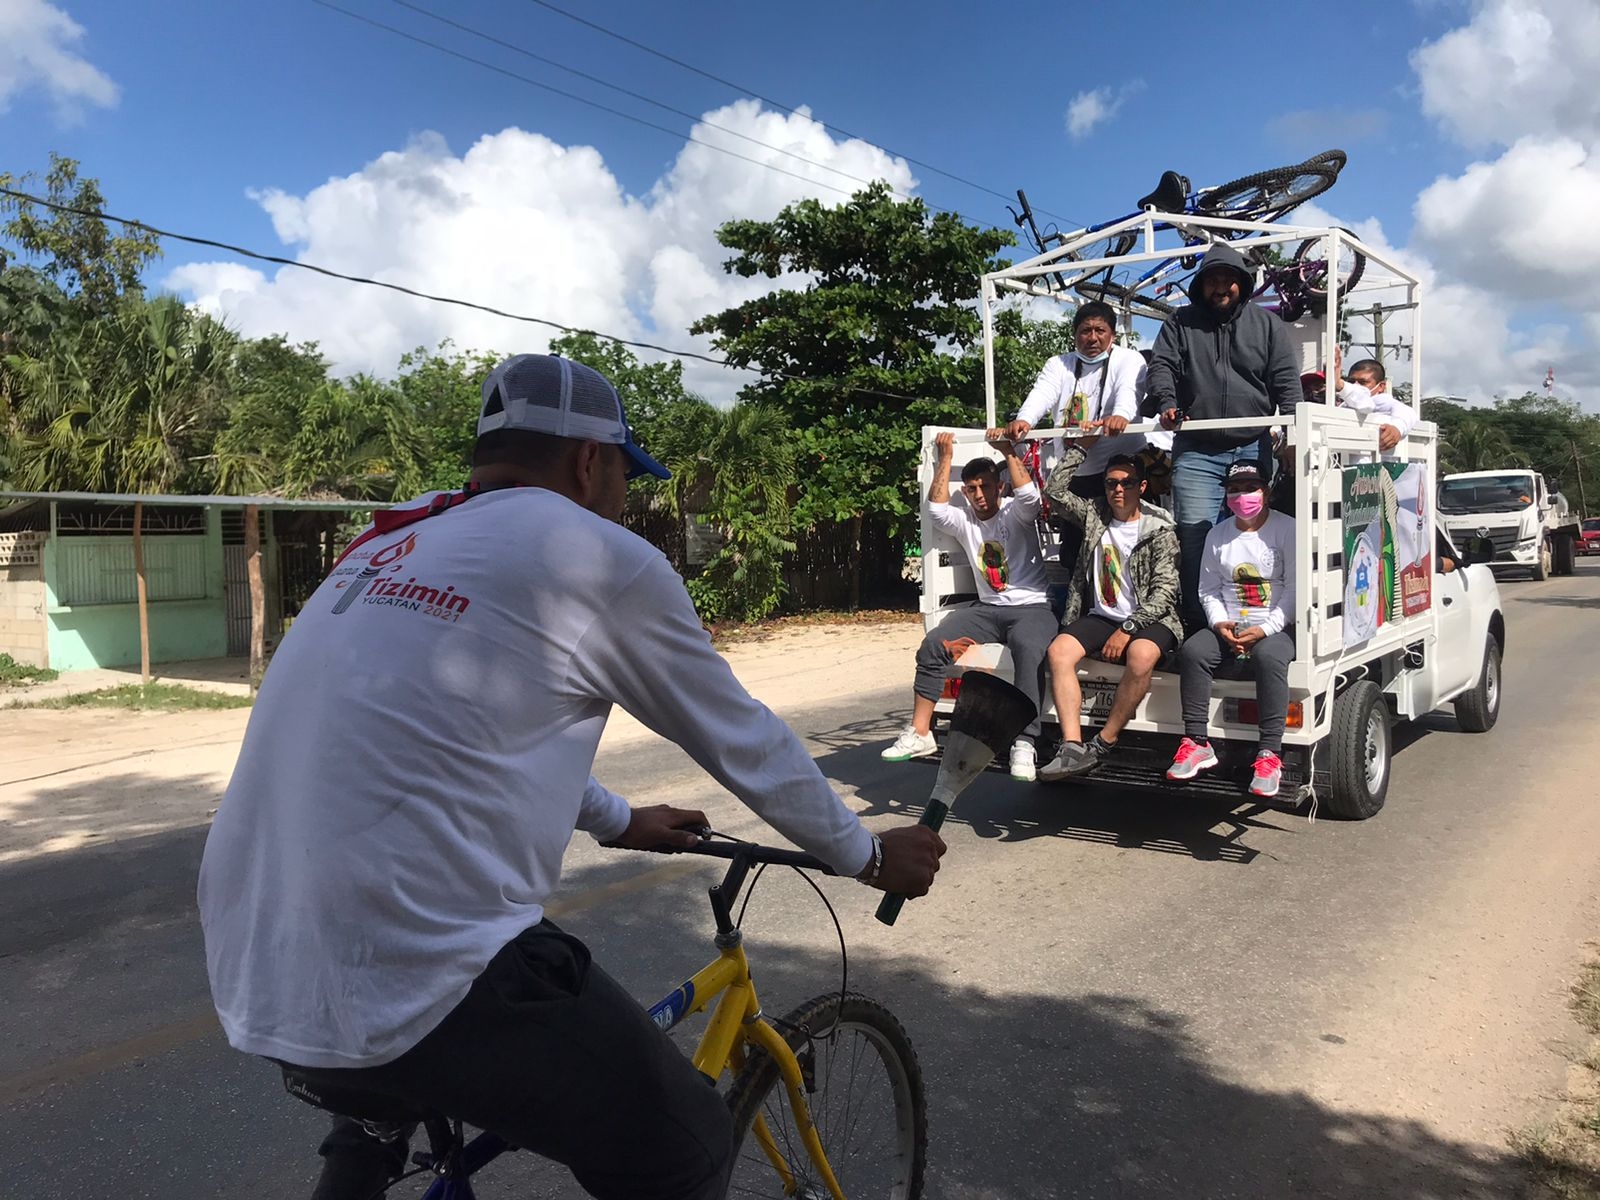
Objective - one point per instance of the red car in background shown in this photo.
(1589, 541)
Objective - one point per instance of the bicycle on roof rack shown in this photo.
(1290, 287)
(1262, 196)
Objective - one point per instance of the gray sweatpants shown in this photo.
(1202, 659)
(1026, 629)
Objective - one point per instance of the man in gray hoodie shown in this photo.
(1218, 356)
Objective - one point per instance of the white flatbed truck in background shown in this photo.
(1530, 525)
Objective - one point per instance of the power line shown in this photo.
(704, 74)
(616, 112)
(560, 66)
(243, 252)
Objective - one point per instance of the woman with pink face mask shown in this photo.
(1247, 592)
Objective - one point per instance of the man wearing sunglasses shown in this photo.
(1122, 604)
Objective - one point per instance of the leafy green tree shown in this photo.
(352, 439)
(865, 348)
(1022, 346)
(443, 390)
(79, 253)
(732, 470)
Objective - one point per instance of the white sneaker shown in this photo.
(910, 744)
(1023, 766)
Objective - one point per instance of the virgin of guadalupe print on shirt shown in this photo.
(993, 560)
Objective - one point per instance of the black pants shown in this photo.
(549, 1052)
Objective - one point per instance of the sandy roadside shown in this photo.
(74, 776)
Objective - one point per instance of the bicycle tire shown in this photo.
(1347, 278)
(1116, 295)
(1112, 246)
(818, 1028)
(1267, 195)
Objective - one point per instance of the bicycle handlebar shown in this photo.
(753, 853)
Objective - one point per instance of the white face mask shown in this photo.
(1098, 358)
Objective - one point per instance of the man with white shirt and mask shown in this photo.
(1096, 382)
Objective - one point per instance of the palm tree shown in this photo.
(1478, 443)
(128, 404)
(734, 469)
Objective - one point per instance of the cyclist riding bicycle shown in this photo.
(420, 753)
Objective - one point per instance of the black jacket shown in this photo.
(1242, 365)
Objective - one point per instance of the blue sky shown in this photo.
(190, 113)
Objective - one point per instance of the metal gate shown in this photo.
(236, 583)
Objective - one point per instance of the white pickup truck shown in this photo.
(1530, 525)
(1382, 634)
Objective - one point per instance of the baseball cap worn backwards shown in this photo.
(544, 393)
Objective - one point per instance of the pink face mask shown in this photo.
(1246, 506)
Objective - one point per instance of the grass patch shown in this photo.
(1564, 1155)
(13, 673)
(147, 697)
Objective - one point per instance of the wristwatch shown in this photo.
(1130, 626)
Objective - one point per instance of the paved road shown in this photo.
(1113, 995)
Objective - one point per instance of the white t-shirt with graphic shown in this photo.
(1004, 550)
(1247, 575)
(420, 754)
(1109, 580)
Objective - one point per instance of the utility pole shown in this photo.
(1377, 331)
(1577, 465)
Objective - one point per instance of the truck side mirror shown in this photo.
(1477, 550)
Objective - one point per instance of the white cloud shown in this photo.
(523, 224)
(1088, 110)
(36, 50)
(1512, 237)
(1523, 224)
(1519, 68)
(1471, 347)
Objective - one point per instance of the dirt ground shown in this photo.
(73, 776)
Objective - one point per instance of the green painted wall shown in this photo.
(85, 636)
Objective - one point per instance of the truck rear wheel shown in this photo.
(1479, 709)
(1562, 557)
(1361, 746)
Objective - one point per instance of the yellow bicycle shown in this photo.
(827, 1102)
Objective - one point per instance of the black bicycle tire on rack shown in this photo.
(1116, 295)
(1346, 281)
(815, 1022)
(1267, 195)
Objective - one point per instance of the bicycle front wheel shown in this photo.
(864, 1090)
(1267, 195)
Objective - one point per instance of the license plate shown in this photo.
(1097, 697)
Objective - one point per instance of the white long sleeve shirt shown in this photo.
(1116, 393)
(1247, 575)
(420, 755)
(1389, 410)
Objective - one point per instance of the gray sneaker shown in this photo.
(1094, 753)
(1063, 764)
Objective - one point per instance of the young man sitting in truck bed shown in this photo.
(1001, 538)
(1247, 591)
(1122, 603)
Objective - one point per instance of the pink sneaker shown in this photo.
(1192, 758)
(1268, 774)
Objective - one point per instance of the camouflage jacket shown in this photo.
(1153, 565)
